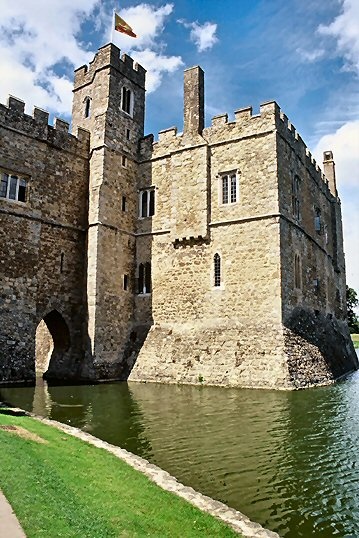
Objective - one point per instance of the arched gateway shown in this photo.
(52, 343)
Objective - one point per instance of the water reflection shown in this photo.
(286, 459)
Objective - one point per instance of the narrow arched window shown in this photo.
(297, 272)
(217, 270)
(144, 198)
(127, 101)
(144, 278)
(148, 277)
(87, 107)
(141, 278)
(296, 197)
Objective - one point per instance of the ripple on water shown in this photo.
(287, 460)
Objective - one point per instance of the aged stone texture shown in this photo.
(213, 256)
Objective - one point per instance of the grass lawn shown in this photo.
(355, 338)
(60, 486)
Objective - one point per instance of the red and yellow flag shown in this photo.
(122, 26)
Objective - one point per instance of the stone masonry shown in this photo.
(213, 256)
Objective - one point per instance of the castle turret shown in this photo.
(109, 100)
(329, 171)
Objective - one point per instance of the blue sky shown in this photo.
(304, 55)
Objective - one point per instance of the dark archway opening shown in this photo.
(52, 343)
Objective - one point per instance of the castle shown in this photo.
(214, 256)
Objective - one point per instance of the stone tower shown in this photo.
(109, 101)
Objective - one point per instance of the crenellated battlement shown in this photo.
(110, 55)
(290, 133)
(13, 117)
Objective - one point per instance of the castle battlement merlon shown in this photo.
(290, 133)
(37, 126)
(110, 55)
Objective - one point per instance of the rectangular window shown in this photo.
(125, 282)
(127, 101)
(295, 197)
(124, 161)
(144, 278)
(12, 187)
(233, 189)
(229, 188)
(21, 194)
(224, 190)
(123, 203)
(147, 203)
(128, 134)
(317, 220)
(4, 184)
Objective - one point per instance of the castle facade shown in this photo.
(214, 256)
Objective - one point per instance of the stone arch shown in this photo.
(52, 343)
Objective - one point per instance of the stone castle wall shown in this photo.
(43, 239)
(232, 334)
(73, 250)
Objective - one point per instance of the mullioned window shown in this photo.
(144, 278)
(13, 187)
(229, 188)
(147, 203)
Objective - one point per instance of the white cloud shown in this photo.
(156, 65)
(147, 49)
(40, 45)
(147, 22)
(344, 143)
(203, 36)
(34, 36)
(345, 29)
(311, 55)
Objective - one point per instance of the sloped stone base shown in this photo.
(212, 355)
(312, 350)
(318, 347)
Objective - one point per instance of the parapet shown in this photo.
(37, 127)
(289, 132)
(110, 56)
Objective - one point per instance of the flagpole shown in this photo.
(113, 24)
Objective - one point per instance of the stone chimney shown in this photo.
(193, 101)
(329, 171)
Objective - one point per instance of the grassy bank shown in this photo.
(355, 338)
(61, 486)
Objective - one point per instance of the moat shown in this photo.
(288, 460)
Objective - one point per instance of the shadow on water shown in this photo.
(286, 459)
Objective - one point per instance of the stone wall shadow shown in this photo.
(318, 347)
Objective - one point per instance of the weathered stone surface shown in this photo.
(73, 253)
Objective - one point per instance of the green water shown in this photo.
(288, 460)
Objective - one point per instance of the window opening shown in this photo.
(128, 134)
(124, 160)
(127, 100)
(87, 107)
(297, 272)
(144, 278)
(12, 187)
(123, 203)
(229, 188)
(147, 203)
(62, 257)
(125, 282)
(317, 220)
(217, 270)
(295, 197)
